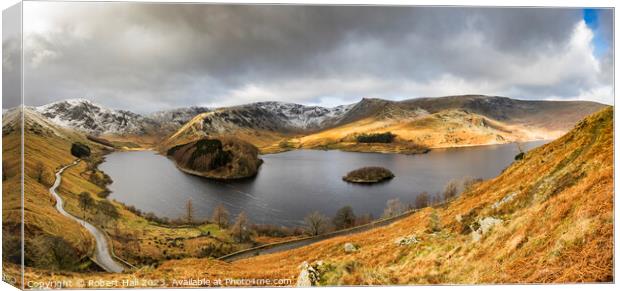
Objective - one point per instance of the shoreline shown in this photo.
(430, 149)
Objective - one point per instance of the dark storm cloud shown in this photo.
(11, 58)
(153, 56)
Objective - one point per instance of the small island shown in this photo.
(368, 175)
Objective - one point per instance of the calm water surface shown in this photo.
(292, 184)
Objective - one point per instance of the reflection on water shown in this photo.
(292, 184)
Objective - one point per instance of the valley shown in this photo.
(188, 242)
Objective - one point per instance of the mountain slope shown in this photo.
(447, 128)
(177, 117)
(547, 218)
(448, 122)
(56, 243)
(418, 123)
(46, 147)
(277, 126)
(533, 113)
(86, 116)
(261, 123)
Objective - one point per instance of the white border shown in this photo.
(512, 3)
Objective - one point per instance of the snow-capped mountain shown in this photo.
(270, 122)
(92, 118)
(302, 117)
(178, 116)
(89, 117)
(271, 116)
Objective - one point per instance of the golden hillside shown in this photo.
(135, 237)
(546, 218)
(42, 157)
(450, 128)
(418, 124)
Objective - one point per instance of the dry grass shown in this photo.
(416, 132)
(451, 128)
(134, 238)
(557, 228)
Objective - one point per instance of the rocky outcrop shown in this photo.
(406, 240)
(485, 225)
(309, 275)
(504, 200)
(349, 248)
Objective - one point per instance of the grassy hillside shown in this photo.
(193, 130)
(546, 218)
(138, 239)
(450, 128)
(419, 124)
(42, 223)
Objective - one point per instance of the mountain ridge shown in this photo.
(429, 122)
(273, 126)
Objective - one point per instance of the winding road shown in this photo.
(102, 252)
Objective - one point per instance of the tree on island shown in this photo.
(316, 223)
(86, 201)
(220, 216)
(240, 230)
(344, 218)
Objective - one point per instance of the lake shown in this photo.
(292, 184)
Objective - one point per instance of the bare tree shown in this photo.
(393, 208)
(105, 213)
(86, 201)
(220, 216)
(240, 230)
(520, 147)
(364, 219)
(422, 200)
(469, 182)
(316, 223)
(189, 208)
(451, 190)
(521, 153)
(345, 218)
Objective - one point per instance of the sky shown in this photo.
(148, 56)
